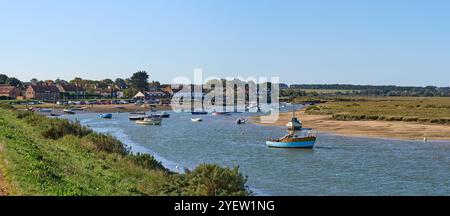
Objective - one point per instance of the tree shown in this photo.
(13, 81)
(34, 81)
(3, 78)
(139, 80)
(120, 83)
(130, 92)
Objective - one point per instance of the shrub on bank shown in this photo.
(57, 157)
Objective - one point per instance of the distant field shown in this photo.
(411, 109)
(328, 91)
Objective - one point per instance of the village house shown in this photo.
(9, 92)
(43, 92)
(71, 91)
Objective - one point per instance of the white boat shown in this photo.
(69, 111)
(196, 119)
(150, 121)
(294, 124)
(241, 121)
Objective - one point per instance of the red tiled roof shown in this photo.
(44, 89)
(6, 89)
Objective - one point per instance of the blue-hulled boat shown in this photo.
(293, 141)
(200, 113)
(105, 115)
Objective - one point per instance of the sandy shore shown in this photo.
(379, 129)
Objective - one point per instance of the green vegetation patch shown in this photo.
(434, 110)
(43, 156)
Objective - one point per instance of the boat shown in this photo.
(200, 113)
(221, 113)
(54, 114)
(137, 113)
(294, 124)
(196, 119)
(241, 121)
(68, 111)
(293, 141)
(138, 117)
(150, 121)
(105, 115)
(162, 115)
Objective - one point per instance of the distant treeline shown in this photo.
(373, 90)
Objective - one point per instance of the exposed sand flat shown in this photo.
(380, 129)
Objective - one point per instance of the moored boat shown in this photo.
(138, 117)
(200, 113)
(293, 141)
(162, 115)
(241, 121)
(196, 119)
(54, 114)
(294, 124)
(69, 111)
(150, 121)
(221, 113)
(105, 115)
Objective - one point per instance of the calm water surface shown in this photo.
(337, 166)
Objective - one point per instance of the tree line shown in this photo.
(368, 90)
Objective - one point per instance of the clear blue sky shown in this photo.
(399, 42)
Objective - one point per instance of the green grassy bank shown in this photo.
(43, 156)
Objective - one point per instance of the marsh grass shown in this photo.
(424, 110)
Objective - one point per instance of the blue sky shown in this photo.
(341, 41)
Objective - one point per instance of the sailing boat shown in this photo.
(292, 140)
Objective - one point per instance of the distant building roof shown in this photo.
(69, 88)
(45, 88)
(6, 89)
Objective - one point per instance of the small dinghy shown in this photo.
(221, 113)
(196, 119)
(138, 117)
(162, 115)
(105, 115)
(69, 111)
(54, 114)
(200, 113)
(150, 121)
(241, 121)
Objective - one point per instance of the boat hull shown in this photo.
(199, 113)
(305, 142)
(105, 116)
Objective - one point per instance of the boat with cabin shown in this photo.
(105, 115)
(150, 121)
(306, 139)
(161, 114)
